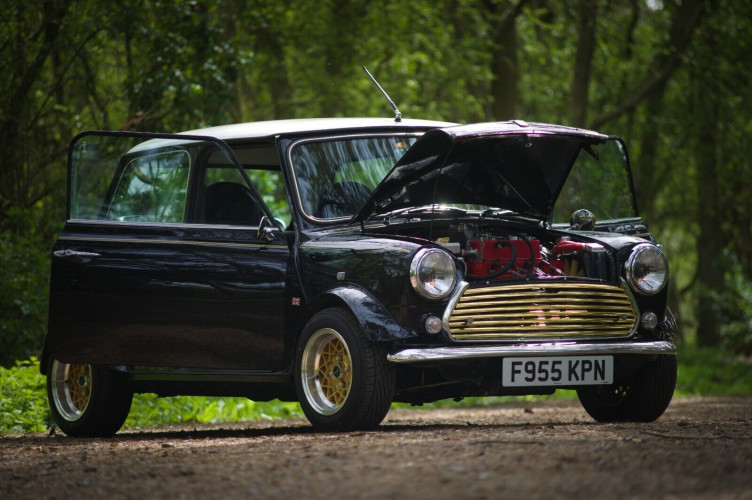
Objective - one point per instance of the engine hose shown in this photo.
(506, 268)
(531, 260)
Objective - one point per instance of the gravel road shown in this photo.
(701, 448)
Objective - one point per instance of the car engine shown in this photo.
(489, 255)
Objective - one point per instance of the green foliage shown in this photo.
(712, 372)
(23, 399)
(735, 308)
(180, 61)
(149, 411)
(164, 65)
(25, 261)
(24, 407)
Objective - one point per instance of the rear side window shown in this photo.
(152, 188)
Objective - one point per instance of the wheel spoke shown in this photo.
(71, 389)
(327, 371)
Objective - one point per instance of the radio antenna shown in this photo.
(398, 115)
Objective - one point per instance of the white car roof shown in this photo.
(272, 128)
(252, 130)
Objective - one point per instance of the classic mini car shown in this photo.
(350, 263)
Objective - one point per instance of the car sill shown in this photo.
(418, 355)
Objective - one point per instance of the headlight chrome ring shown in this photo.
(647, 269)
(433, 273)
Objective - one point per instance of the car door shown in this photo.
(146, 275)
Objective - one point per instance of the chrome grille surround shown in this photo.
(541, 310)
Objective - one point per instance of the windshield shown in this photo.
(335, 177)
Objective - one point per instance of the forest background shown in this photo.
(671, 77)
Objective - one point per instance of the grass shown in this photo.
(710, 372)
(24, 408)
(148, 410)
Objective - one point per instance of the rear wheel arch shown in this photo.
(87, 400)
(44, 360)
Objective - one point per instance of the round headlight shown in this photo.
(647, 269)
(433, 273)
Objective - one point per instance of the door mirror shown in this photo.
(582, 220)
(267, 232)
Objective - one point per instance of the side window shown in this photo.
(150, 178)
(227, 198)
(271, 187)
(152, 188)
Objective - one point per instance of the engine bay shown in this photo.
(501, 254)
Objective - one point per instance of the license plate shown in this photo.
(553, 371)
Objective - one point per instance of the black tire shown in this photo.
(87, 400)
(343, 381)
(643, 399)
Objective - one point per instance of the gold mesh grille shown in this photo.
(542, 311)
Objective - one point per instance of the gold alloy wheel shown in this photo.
(71, 389)
(326, 371)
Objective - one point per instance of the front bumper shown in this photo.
(429, 354)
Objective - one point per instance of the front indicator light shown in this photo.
(649, 320)
(433, 325)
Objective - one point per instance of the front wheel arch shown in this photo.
(378, 324)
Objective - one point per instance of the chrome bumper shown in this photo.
(418, 355)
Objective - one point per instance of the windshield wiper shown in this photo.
(503, 214)
(422, 210)
(493, 212)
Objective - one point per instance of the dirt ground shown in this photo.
(701, 448)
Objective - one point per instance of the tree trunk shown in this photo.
(710, 244)
(583, 62)
(504, 87)
(647, 170)
(712, 240)
(505, 66)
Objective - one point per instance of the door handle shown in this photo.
(74, 253)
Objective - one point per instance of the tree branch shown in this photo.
(52, 23)
(686, 19)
